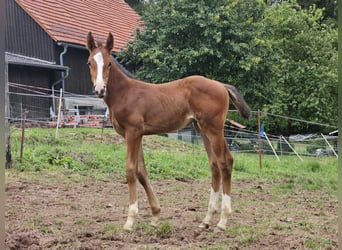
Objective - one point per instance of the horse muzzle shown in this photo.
(100, 92)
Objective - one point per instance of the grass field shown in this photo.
(91, 152)
(292, 203)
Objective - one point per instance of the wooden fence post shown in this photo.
(7, 117)
(23, 125)
(59, 112)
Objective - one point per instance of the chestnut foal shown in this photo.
(138, 108)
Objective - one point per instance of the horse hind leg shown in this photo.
(213, 205)
(143, 179)
(225, 165)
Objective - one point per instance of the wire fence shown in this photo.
(246, 141)
(39, 107)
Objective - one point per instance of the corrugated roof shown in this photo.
(71, 20)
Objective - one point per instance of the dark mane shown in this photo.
(123, 69)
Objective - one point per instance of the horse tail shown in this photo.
(238, 101)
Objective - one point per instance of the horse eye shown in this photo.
(88, 63)
(109, 65)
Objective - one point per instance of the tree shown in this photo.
(139, 5)
(329, 6)
(305, 65)
(185, 37)
(282, 58)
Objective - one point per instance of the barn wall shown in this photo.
(24, 36)
(31, 77)
(78, 81)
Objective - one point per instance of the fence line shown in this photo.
(238, 139)
(37, 90)
(242, 142)
(299, 120)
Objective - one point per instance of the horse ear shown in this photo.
(90, 42)
(110, 42)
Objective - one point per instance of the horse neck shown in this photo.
(118, 83)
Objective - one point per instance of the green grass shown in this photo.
(245, 233)
(164, 230)
(110, 230)
(291, 172)
(88, 152)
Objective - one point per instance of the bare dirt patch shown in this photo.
(54, 210)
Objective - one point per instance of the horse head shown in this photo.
(100, 62)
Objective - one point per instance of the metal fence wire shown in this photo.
(79, 111)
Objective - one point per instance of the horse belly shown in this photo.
(171, 124)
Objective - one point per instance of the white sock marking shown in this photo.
(133, 209)
(226, 203)
(132, 212)
(226, 210)
(213, 207)
(213, 201)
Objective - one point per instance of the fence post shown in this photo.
(280, 146)
(274, 152)
(292, 148)
(59, 112)
(7, 117)
(23, 124)
(331, 147)
(259, 140)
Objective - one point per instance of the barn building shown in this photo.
(45, 49)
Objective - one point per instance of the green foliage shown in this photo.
(304, 65)
(281, 57)
(329, 7)
(181, 38)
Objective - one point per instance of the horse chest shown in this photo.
(118, 128)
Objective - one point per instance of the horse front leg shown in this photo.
(143, 179)
(133, 144)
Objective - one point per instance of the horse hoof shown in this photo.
(203, 225)
(128, 228)
(154, 222)
(221, 227)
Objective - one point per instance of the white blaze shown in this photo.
(99, 83)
